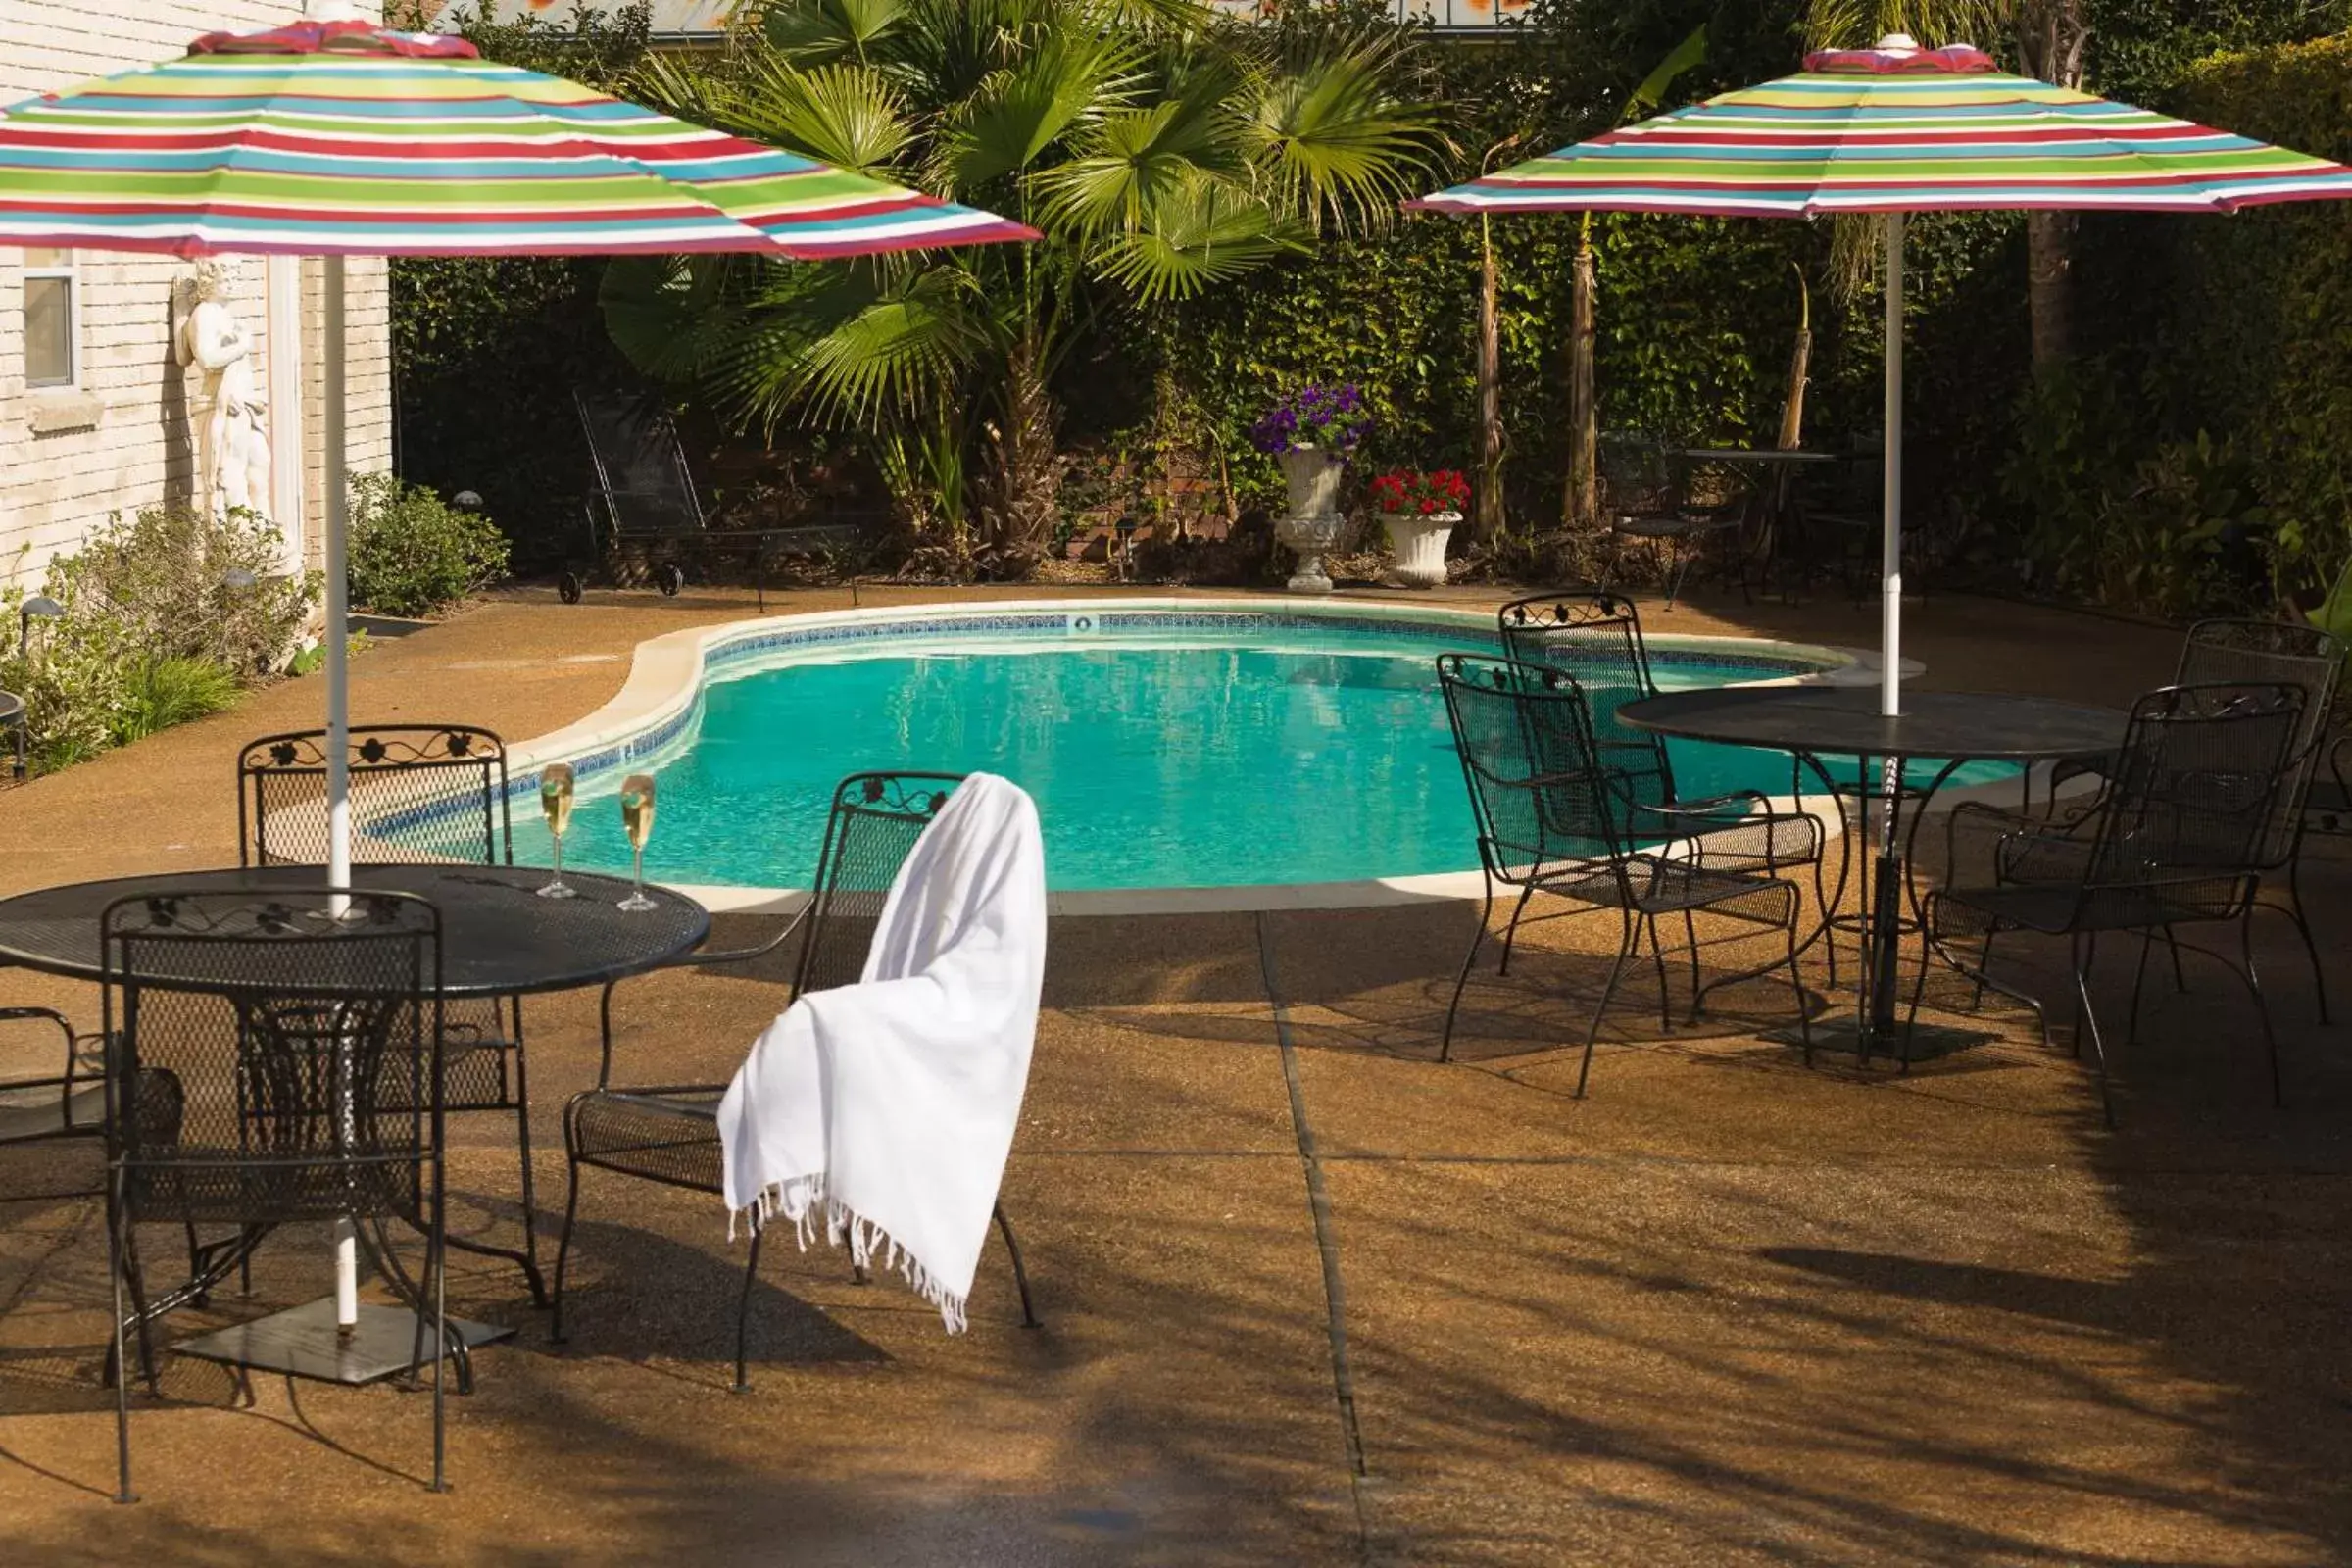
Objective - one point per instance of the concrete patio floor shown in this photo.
(1311, 1296)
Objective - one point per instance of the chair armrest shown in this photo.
(1738, 831)
(75, 1063)
(700, 956)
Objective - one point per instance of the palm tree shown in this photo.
(1160, 150)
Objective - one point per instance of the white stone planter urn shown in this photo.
(1417, 539)
(1312, 526)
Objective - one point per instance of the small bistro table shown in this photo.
(498, 938)
(1824, 724)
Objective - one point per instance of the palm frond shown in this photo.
(1130, 158)
(1019, 111)
(1334, 139)
(820, 32)
(849, 115)
(1206, 231)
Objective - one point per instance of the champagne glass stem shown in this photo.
(637, 867)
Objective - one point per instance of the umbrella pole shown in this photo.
(338, 705)
(1890, 564)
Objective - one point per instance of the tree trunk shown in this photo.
(1800, 368)
(2051, 37)
(1487, 519)
(1581, 509)
(1028, 468)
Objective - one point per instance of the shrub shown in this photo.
(412, 554)
(167, 616)
(165, 692)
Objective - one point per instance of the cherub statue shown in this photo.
(225, 401)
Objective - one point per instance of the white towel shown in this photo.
(886, 1109)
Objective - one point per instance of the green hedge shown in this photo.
(2258, 338)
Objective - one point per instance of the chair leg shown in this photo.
(743, 1310)
(1020, 1274)
(2294, 911)
(1698, 988)
(1510, 932)
(1626, 945)
(115, 1205)
(523, 1140)
(1486, 911)
(2139, 983)
(436, 1259)
(572, 1211)
(2262, 1008)
(1796, 987)
(1657, 958)
(2087, 1023)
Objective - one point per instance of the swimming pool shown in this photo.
(1168, 745)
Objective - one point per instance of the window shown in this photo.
(51, 314)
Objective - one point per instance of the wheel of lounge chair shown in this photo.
(669, 577)
(567, 587)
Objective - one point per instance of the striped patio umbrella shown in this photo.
(340, 138)
(1898, 129)
(335, 138)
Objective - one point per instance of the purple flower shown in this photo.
(1333, 419)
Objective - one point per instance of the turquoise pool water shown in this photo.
(1315, 756)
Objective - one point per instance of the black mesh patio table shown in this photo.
(1823, 723)
(498, 939)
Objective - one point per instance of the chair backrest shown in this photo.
(642, 481)
(1594, 636)
(2262, 652)
(285, 1057)
(2195, 785)
(425, 792)
(1636, 479)
(1539, 789)
(876, 818)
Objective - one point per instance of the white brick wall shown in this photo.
(54, 487)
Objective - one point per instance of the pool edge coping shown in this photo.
(667, 675)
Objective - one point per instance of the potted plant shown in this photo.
(1310, 431)
(1420, 508)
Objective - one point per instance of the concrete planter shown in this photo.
(1418, 541)
(1312, 527)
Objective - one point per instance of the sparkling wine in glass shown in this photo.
(554, 798)
(637, 817)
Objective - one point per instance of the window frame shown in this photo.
(68, 269)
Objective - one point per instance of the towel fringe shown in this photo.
(806, 1202)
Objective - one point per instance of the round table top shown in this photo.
(1844, 722)
(1755, 454)
(498, 937)
(12, 708)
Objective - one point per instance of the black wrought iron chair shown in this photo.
(1594, 636)
(669, 1133)
(419, 792)
(273, 1060)
(1643, 500)
(2191, 798)
(2219, 651)
(53, 1107)
(1555, 815)
(2260, 652)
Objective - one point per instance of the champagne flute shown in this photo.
(637, 817)
(554, 798)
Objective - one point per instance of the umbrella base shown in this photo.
(305, 1342)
